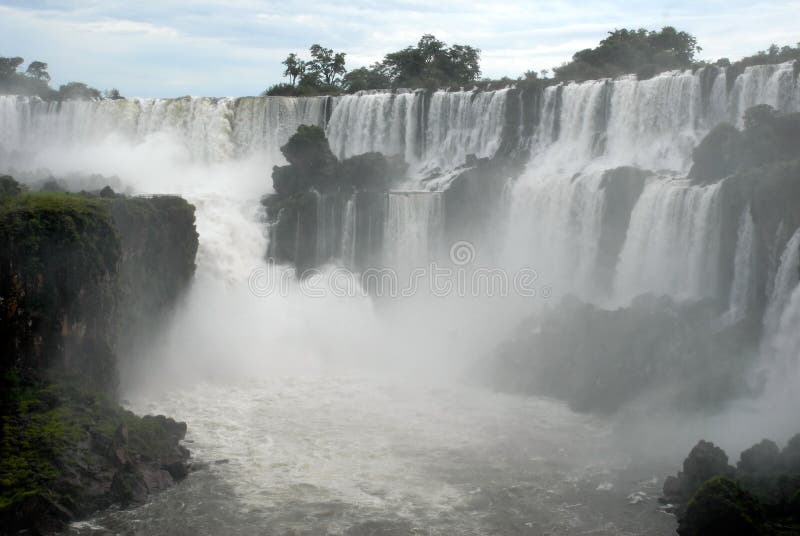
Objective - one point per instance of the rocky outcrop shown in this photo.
(67, 452)
(316, 193)
(76, 272)
(601, 360)
(760, 496)
(760, 167)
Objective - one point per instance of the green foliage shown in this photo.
(35, 222)
(38, 70)
(48, 430)
(721, 507)
(431, 64)
(112, 94)
(8, 187)
(78, 91)
(9, 66)
(35, 81)
(326, 65)
(760, 496)
(365, 78)
(642, 52)
(321, 75)
(295, 68)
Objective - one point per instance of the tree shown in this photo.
(626, 51)
(329, 66)
(431, 63)
(365, 78)
(295, 67)
(38, 71)
(8, 66)
(78, 91)
(112, 94)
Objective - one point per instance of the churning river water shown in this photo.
(369, 455)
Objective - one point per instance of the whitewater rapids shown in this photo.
(321, 454)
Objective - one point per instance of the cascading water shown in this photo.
(673, 239)
(775, 85)
(454, 125)
(785, 280)
(743, 290)
(210, 130)
(383, 122)
(413, 229)
(672, 246)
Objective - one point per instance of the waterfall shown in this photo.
(556, 229)
(672, 246)
(743, 290)
(785, 344)
(786, 279)
(264, 124)
(780, 348)
(775, 85)
(211, 130)
(349, 223)
(457, 124)
(556, 208)
(383, 122)
(413, 227)
(329, 227)
(462, 123)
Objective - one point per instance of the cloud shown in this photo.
(234, 47)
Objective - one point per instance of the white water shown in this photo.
(743, 290)
(785, 280)
(413, 228)
(672, 243)
(458, 124)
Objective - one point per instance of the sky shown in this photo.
(169, 48)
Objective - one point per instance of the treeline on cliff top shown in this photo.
(34, 80)
(433, 64)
